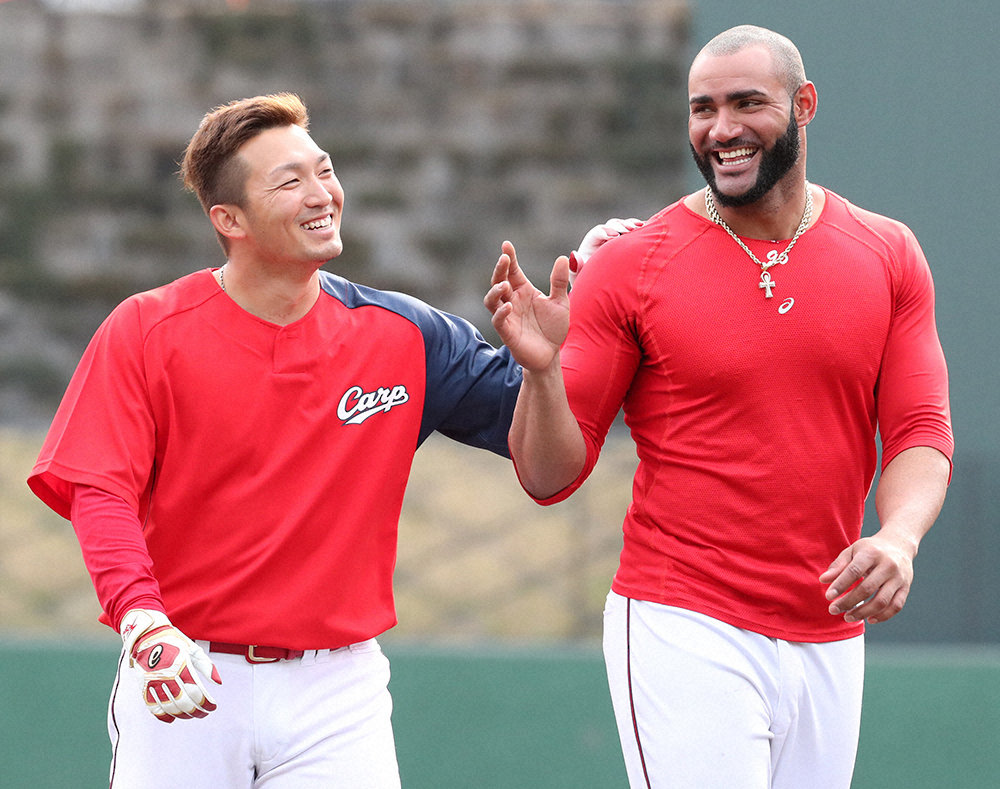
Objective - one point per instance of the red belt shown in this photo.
(256, 654)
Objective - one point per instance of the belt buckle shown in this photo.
(252, 658)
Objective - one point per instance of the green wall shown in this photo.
(504, 718)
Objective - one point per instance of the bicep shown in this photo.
(913, 400)
(599, 360)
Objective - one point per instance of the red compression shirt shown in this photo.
(754, 419)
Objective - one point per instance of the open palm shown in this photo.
(531, 324)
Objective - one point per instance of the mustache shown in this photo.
(736, 142)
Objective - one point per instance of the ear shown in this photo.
(804, 104)
(228, 220)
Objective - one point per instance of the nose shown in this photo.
(726, 127)
(324, 191)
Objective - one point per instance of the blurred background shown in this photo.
(454, 124)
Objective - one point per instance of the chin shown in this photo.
(735, 184)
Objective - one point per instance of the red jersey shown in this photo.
(754, 419)
(267, 463)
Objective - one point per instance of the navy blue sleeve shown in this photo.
(471, 386)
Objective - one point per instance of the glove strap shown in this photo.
(137, 622)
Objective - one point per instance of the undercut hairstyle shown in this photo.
(211, 167)
(787, 60)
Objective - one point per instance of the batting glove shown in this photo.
(595, 238)
(164, 656)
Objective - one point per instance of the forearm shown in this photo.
(115, 553)
(871, 578)
(910, 495)
(545, 439)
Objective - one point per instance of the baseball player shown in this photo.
(757, 333)
(232, 451)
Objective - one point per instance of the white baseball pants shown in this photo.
(704, 705)
(317, 722)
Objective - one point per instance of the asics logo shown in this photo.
(357, 405)
(786, 305)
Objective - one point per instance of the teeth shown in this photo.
(739, 153)
(319, 223)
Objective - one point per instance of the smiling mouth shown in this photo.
(318, 224)
(735, 157)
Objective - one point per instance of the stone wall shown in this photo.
(453, 124)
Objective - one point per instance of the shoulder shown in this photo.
(629, 263)
(892, 242)
(355, 296)
(674, 226)
(867, 225)
(677, 224)
(150, 308)
(431, 321)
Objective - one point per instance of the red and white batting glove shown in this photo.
(595, 238)
(164, 656)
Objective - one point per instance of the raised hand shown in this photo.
(531, 324)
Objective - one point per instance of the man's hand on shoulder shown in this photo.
(595, 238)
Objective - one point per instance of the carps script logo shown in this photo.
(357, 405)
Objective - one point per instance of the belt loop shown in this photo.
(364, 646)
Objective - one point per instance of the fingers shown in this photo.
(204, 665)
(500, 290)
(596, 237)
(615, 227)
(839, 576)
(883, 606)
(507, 281)
(559, 278)
(497, 296)
(515, 276)
(867, 582)
(500, 270)
(184, 697)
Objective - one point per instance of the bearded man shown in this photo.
(757, 334)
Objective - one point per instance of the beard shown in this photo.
(774, 165)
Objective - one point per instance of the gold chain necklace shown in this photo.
(774, 258)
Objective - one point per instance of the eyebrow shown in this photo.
(738, 95)
(296, 166)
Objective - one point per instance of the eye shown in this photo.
(290, 183)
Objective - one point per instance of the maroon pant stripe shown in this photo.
(122, 666)
(631, 697)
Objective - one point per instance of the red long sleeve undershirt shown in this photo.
(114, 552)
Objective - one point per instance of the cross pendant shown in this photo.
(767, 283)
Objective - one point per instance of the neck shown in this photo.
(280, 299)
(774, 217)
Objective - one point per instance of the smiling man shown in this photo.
(233, 451)
(756, 333)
